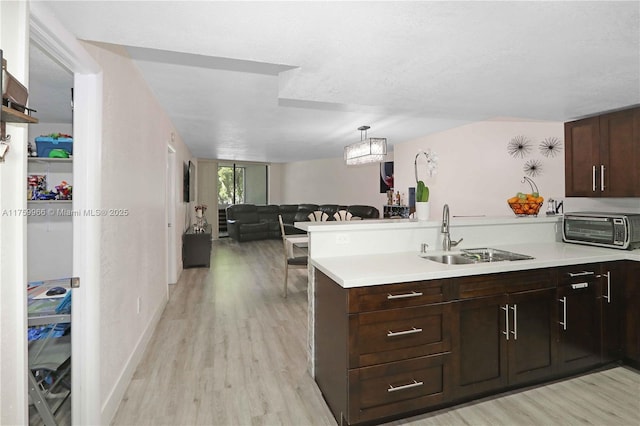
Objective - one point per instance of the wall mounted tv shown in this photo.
(189, 182)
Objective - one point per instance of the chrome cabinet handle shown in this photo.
(505, 308)
(579, 285)
(602, 177)
(593, 178)
(563, 323)
(404, 332)
(580, 274)
(608, 295)
(404, 295)
(514, 308)
(415, 384)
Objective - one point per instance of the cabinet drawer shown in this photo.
(397, 334)
(508, 282)
(578, 273)
(393, 296)
(394, 388)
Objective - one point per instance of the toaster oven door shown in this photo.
(596, 230)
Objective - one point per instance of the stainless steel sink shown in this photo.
(451, 259)
(494, 255)
(477, 255)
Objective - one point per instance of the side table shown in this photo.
(196, 248)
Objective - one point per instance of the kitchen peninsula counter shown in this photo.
(386, 268)
(392, 334)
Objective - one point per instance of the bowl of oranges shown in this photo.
(526, 204)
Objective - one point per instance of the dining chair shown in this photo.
(318, 216)
(290, 261)
(342, 215)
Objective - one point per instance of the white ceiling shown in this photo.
(290, 81)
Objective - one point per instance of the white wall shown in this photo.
(276, 180)
(330, 181)
(208, 191)
(39, 129)
(475, 174)
(136, 132)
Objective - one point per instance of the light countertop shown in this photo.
(377, 269)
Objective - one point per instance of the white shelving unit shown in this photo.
(50, 226)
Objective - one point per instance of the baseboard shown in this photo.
(112, 402)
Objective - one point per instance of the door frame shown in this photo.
(51, 35)
(170, 207)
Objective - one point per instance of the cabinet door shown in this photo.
(632, 313)
(532, 339)
(612, 300)
(620, 154)
(579, 326)
(479, 345)
(582, 157)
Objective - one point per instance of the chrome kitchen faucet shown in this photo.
(446, 241)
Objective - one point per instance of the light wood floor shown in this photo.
(229, 350)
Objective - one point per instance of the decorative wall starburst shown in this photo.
(533, 168)
(519, 147)
(550, 147)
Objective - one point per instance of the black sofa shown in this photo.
(247, 222)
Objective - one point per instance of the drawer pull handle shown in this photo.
(608, 295)
(415, 384)
(404, 295)
(580, 274)
(403, 333)
(579, 285)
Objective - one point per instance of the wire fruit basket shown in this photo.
(526, 204)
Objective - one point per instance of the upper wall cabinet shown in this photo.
(602, 155)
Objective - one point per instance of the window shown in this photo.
(231, 185)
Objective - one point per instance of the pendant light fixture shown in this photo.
(368, 150)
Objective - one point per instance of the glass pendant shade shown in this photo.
(371, 150)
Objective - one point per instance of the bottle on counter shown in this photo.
(390, 197)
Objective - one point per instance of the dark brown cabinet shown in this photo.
(602, 155)
(591, 305)
(505, 339)
(383, 350)
(578, 318)
(196, 248)
(480, 349)
(388, 351)
(632, 313)
(613, 276)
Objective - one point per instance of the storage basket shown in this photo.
(44, 145)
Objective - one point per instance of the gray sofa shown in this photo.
(247, 222)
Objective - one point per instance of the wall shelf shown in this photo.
(45, 160)
(12, 116)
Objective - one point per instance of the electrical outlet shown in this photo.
(342, 239)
